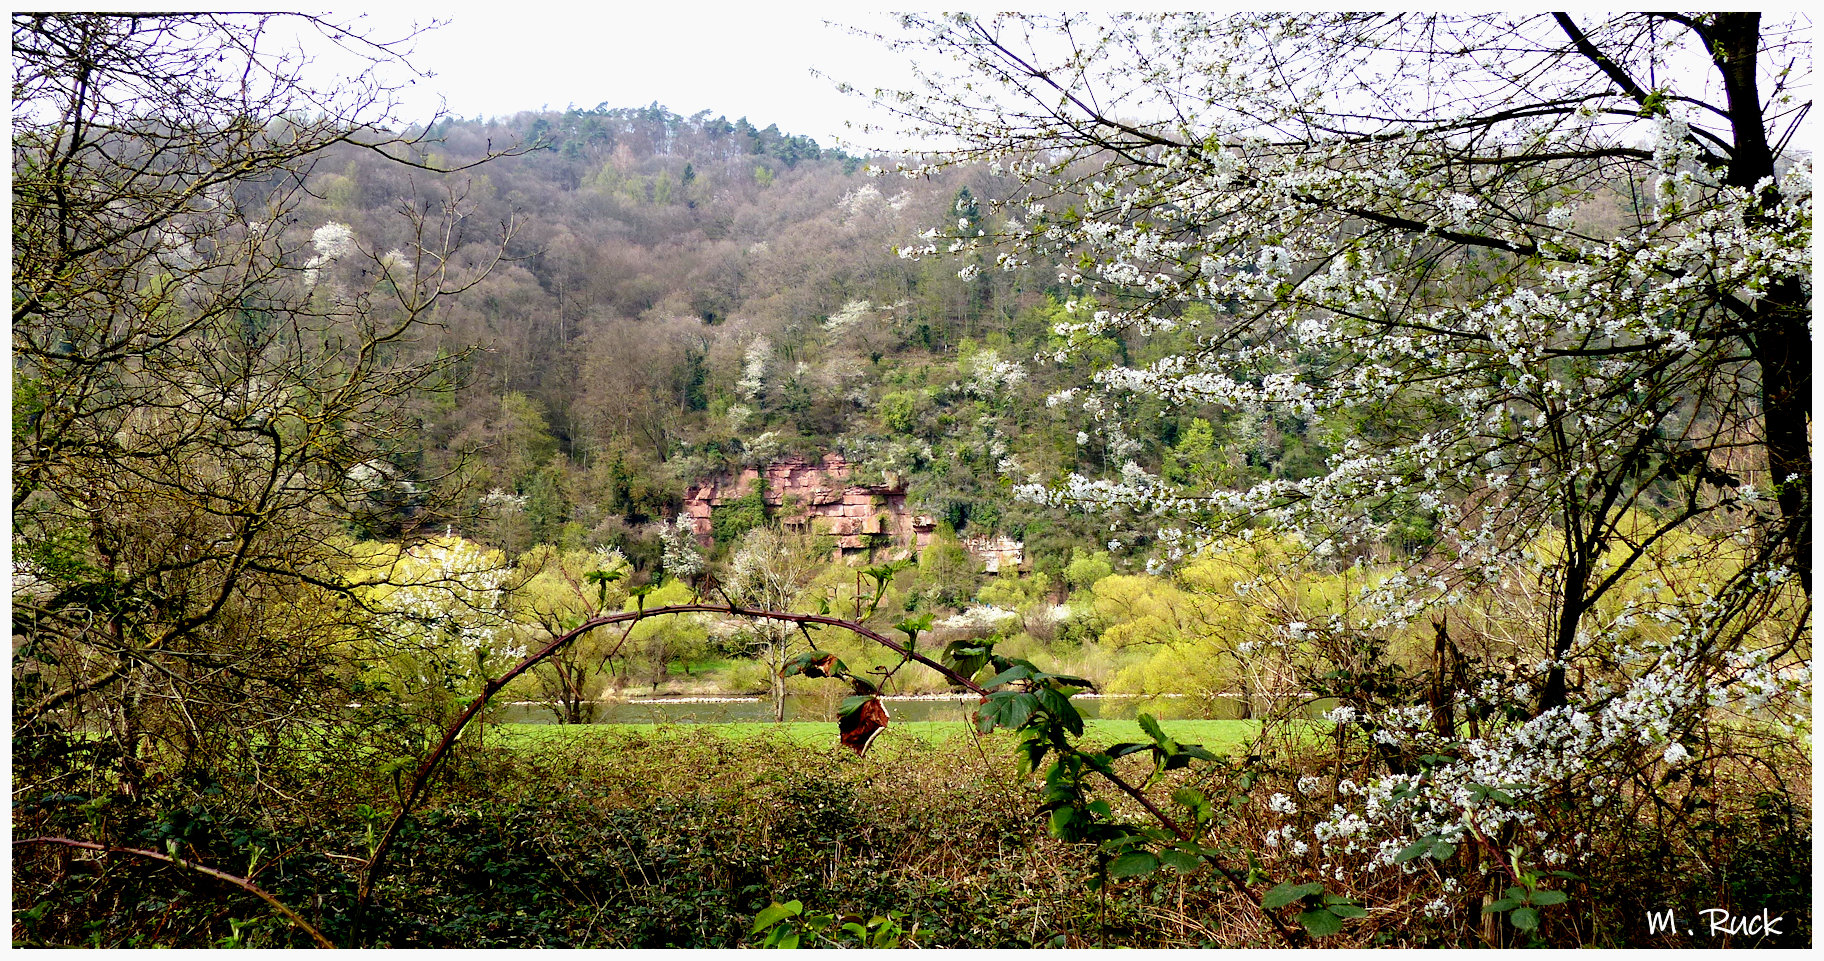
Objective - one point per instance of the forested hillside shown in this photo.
(684, 296)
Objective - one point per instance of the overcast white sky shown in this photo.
(751, 60)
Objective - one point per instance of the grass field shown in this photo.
(1217, 736)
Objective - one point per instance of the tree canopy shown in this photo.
(1544, 280)
(1549, 272)
(210, 398)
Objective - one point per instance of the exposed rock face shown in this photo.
(804, 493)
(800, 492)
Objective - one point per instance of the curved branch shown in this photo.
(421, 780)
(239, 882)
(1609, 67)
(70, 693)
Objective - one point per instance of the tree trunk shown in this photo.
(778, 680)
(1779, 329)
(1781, 344)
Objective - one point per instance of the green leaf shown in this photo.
(1194, 800)
(965, 657)
(1032, 751)
(886, 932)
(1060, 821)
(1020, 706)
(1184, 862)
(1133, 864)
(988, 714)
(913, 626)
(1151, 727)
(852, 703)
(1320, 922)
(1058, 706)
(1542, 898)
(1347, 909)
(1018, 672)
(774, 913)
(1526, 919)
(1413, 850)
(1127, 747)
(1007, 709)
(1496, 907)
(1442, 850)
(1289, 892)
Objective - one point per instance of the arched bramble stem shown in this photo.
(421, 780)
(239, 882)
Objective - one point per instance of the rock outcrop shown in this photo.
(865, 520)
(801, 493)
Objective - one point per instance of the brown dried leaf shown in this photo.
(821, 667)
(858, 727)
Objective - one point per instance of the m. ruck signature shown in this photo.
(1717, 921)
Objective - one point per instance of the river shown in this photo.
(724, 710)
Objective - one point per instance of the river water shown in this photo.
(800, 708)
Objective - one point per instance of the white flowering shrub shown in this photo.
(332, 241)
(849, 313)
(988, 374)
(682, 557)
(772, 569)
(1551, 413)
(443, 623)
(504, 501)
(753, 369)
(980, 620)
(762, 450)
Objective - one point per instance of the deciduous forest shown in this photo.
(1255, 481)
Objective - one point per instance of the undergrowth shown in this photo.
(679, 838)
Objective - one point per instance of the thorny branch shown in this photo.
(239, 882)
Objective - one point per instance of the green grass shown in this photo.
(1218, 736)
(691, 670)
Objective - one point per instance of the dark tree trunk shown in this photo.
(1778, 331)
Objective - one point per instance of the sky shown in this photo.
(752, 60)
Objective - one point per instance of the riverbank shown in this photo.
(1221, 737)
(821, 705)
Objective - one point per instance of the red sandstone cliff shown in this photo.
(801, 492)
